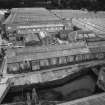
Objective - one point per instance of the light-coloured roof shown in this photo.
(68, 14)
(28, 10)
(97, 25)
(30, 16)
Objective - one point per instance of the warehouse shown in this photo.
(34, 19)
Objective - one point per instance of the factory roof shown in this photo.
(28, 10)
(29, 16)
(97, 25)
(99, 22)
(68, 14)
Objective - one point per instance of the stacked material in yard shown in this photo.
(68, 14)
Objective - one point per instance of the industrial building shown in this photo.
(52, 57)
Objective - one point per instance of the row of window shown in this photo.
(39, 29)
(27, 66)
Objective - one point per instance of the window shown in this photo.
(79, 58)
(44, 62)
(62, 60)
(35, 65)
(85, 36)
(24, 66)
(92, 56)
(80, 37)
(102, 49)
(100, 56)
(87, 57)
(91, 35)
(13, 68)
(47, 29)
(61, 28)
(83, 57)
(38, 29)
(70, 58)
(53, 61)
(34, 29)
